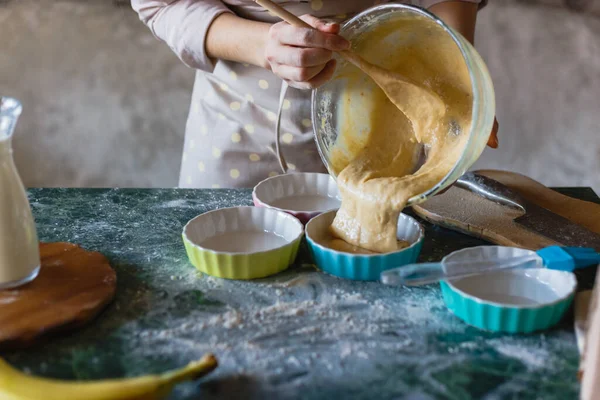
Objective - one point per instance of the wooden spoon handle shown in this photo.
(283, 13)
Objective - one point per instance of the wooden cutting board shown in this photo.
(589, 328)
(462, 210)
(73, 286)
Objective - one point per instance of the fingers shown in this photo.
(300, 57)
(323, 26)
(296, 74)
(304, 37)
(492, 142)
(325, 75)
(321, 78)
(493, 139)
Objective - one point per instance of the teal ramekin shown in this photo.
(362, 267)
(511, 301)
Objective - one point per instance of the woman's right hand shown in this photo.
(304, 57)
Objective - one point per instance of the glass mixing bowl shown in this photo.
(326, 99)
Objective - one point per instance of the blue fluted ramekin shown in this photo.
(512, 301)
(362, 267)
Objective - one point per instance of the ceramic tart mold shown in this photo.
(242, 242)
(363, 267)
(303, 195)
(512, 301)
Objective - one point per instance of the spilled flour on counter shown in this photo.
(302, 329)
(532, 358)
(304, 312)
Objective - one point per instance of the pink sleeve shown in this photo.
(183, 25)
(429, 3)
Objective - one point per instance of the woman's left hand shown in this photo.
(492, 142)
(493, 139)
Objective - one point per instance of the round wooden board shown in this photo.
(73, 286)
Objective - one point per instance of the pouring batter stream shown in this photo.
(380, 171)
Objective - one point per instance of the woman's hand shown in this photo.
(493, 139)
(301, 56)
(492, 142)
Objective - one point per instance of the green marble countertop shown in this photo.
(300, 334)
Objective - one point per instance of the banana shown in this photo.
(15, 385)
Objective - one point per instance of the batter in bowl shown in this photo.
(380, 150)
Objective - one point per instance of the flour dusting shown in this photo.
(179, 203)
(301, 323)
(532, 358)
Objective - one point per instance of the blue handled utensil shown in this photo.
(553, 257)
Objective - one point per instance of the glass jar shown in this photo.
(326, 99)
(19, 247)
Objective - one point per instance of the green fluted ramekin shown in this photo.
(242, 242)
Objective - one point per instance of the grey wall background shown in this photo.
(105, 103)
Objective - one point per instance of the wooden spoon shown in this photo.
(421, 105)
